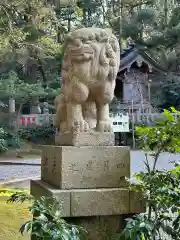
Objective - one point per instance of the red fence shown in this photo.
(25, 121)
(35, 119)
(48, 119)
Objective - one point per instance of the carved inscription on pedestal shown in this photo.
(54, 163)
(73, 167)
(106, 165)
(68, 169)
(45, 164)
(89, 166)
(120, 165)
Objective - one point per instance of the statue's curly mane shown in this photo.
(99, 46)
(89, 69)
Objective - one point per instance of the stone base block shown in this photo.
(100, 228)
(85, 167)
(137, 202)
(85, 139)
(89, 202)
(38, 188)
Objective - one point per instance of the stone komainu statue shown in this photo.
(91, 63)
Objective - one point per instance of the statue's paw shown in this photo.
(80, 126)
(104, 126)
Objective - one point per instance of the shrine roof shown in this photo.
(133, 54)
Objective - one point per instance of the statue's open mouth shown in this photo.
(81, 51)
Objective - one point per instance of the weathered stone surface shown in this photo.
(85, 202)
(99, 228)
(99, 202)
(85, 167)
(40, 188)
(137, 202)
(85, 139)
(89, 70)
(50, 163)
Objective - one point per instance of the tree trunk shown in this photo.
(12, 110)
(120, 23)
(41, 70)
(84, 17)
(11, 105)
(35, 106)
(69, 19)
(165, 13)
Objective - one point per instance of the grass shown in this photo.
(12, 216)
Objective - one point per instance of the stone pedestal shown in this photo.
(85, 167)
(85, 139)
(102, 227)
(100, 211)
(90, 184)
(91, 202)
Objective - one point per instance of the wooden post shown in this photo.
(133, 126)
(149, 95)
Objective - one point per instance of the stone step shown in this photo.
(91, 202)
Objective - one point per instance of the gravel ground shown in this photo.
(165, 161)
(15, 169)
(22, 168)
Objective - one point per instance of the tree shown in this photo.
(169, 92)
(91, 12)
(27, 38)
(32, 33)
(13, 88)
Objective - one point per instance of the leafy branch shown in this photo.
(161, 188)
(47, 222)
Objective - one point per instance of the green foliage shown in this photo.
(135, 26)
(47, 222)
(12, 140)
(169, 93)
(23, 22)
(161, 188)
(32, 33)
(140, 228)
(20, 197)
(28, 44)
(164, 136)
(12, 86)
(8, 192)
(2, 140)
(37, 134)
(8, 140)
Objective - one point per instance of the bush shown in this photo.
(12, 140)
(37, 134)
(47, 222)
(8, 140)
(161, 188)
(2, 140)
